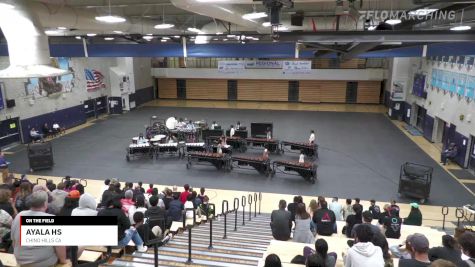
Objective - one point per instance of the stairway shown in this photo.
(244, 247)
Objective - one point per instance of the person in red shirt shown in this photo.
(185, 193)
(150, 189)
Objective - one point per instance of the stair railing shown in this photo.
(185, 226)
(459, 214)
(235, 209)
(255, 205)
(249, 201)
(243, 204)
(224, 213)
(445, 211)
(260, 201)
(210, 223)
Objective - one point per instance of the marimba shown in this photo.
(258, 163)
(271, 144)
(309, 150)
(237, 143)
(167, 148)
(220, 161)
(308, 170)
(195, 147)
(141, 149)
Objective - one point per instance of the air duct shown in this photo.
(27, 44)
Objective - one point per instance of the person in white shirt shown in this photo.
(265, 154)
(337, 209)
(302, 157)
(189, 205)
(232, 131)
(219, 149)
(214, 125)
(87, 206)
(238, 125)
(190, 125)
(311, 139)
(268, 133)
(35, 135)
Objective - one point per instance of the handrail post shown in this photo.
(155, 255)
(255, 205)
(235, 208)
(189, 261)
(223, 212)
(249, 201)
(210, 224)
(445, 211)
(260, 201)
(243, 203)
(459, 213)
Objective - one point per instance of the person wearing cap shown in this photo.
(402, 251)
(70, 203)
(419, 248)
(415, 216)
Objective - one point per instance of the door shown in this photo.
(420, 116)
(232, 90)
(449, 134)
(351, 92)
(181, 89)
(89, 109)
(471, 159)
(293, 91)
(9, 131)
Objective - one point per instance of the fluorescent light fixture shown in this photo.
(393, 21)
(248, 37)
(91, 34)
(254, 15)
(372, 28)
(215, 39)
(111, 19)
(164, 26)
(255, 39)
(266, 24)
(225, 39)
(62, 28)
(78, 37)
(230, 35)
(176, 36)
(163, 40)
(422, 11)
(51, 32)
(200, 39)
(108, 38)
(6, 6)
(147, 37)
(243, 37)
(219, 33)
(149, 34)
(194, 30)
(461, 28)
(119, 32)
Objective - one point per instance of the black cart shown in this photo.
(40, 156)
(415, 181)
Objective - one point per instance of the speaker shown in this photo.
(40, 156)
(10, 103)
(297, 19)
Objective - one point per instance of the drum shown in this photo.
(171, 123)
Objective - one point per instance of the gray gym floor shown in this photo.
(360, 155)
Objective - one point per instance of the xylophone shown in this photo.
(168, 148)
(142, 149)
(258, 163)
(271, 144)
(309, 150)
(237, 143)
(227, 149)
(308, 170)
(195, 147)
(220, 161)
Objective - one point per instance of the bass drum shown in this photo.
(171, 123)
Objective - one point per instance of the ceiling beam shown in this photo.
(378, 36)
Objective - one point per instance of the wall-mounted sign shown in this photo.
(297, 67)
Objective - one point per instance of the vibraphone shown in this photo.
(167, 148)
(258, 163)
(271, 144)
(309, 150)
(220, 161)
(195, 147)
(307, 170)
(136, 150)
(237, 143)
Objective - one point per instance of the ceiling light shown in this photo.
(266, 24)
(51, 32)
(231, 36)
(215, 39)
(163, 41)
(372, 28)
(148, 37)
(460, 28)
(422, 11)
(243, 42)
(243, 37)
(393, 21)
(176, 36)
(219, 33)
(119, 32)
(149, 34)
(166, 38)
(91, 34)
(225, 39)
(254, 15)
(164, 26)
(108, 38)
(194, 30)
(255, 39)
(62, 28)
(6, 6)
(248, 37)
(111, 19)
(78, 37)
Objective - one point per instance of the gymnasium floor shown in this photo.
(360, 155)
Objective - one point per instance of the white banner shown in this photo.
(264, 64)
(68, 235)
(231, 66)
(297, 67)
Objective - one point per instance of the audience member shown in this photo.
(70, 203)
(35, 135)
(109, 194)
(418, 247)
(50, 185)
(467, 243)
(380, 240)
(337, 209)
(185, 193)
(394, 208)
(196, 199)
(402, 251)
(138, 207)
(146, 232)
(302, 233)
(321, 249)
(189, 205)
(449, 251)
(107, 182)
(353, 219)
(87, 206)
(175, 192)
(374, 209)
(281, 222)
(442, 263)
(47, 131)
(357, 202)
(175, 210)
(311, 209)
(142, 190)
(202, 193)
(168, 198)
(272, 260)
(315, 260)
(6, 203)
(293, 206)
(150, 188)
(363, 252)
(58, 195)
(5, 226)
(325, 220)
(127, 202)
(367, 219)
(415, 216)
(124, 230)
(348, 209)
(20, 199)
(4, 168)
(36, 256)
(157, 215)
(392, 225)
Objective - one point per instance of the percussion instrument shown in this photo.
(171, 123)
(309, 150)
(237, 143)
(271, 144)
(141, 149)
(220, 161)
(308, 170)
(258, 163)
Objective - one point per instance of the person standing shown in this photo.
(4, 168)
(232, 131)
(268, 134)
(311, 139)
(301, 157)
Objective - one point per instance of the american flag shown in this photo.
(94, 79)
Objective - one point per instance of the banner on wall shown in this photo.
(231, 66)
(297, 67)
(264, 64)
(398, 89)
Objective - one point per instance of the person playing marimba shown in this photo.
(268, 134)
(231, 131)
(238, 125)
(142, 139)
(311, 139)
(302, 157)
(219, 149)
(265, 154)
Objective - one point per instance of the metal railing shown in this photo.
(255, 204)
(459, 214)
(445, 211)
(210, 224)
(189, 227)
(243, 204)
(235, 210)
(249, 201)
(225, 213)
